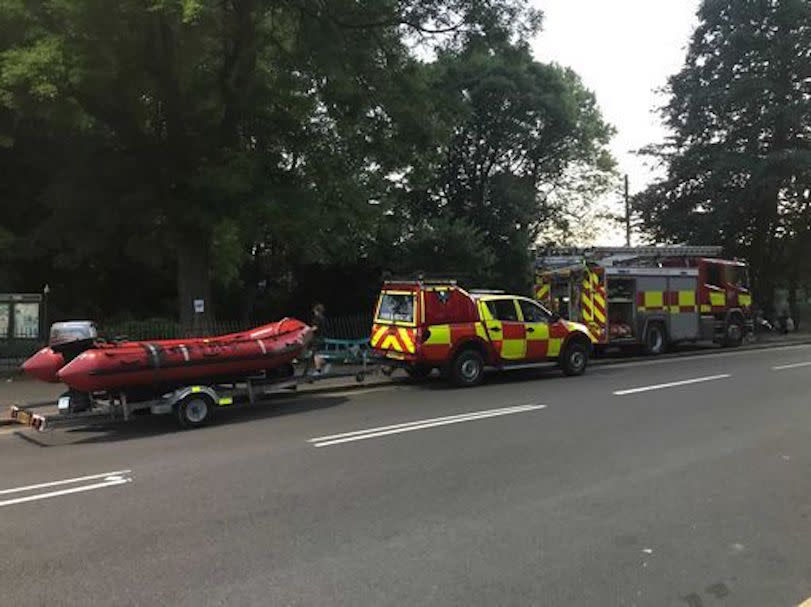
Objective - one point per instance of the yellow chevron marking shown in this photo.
(378, 335)
(391, 343)
(405, 338)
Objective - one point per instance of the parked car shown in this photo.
(423, 325)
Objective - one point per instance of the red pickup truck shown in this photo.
(425, 325)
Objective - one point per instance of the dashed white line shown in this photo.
(672, 384)
(357, 435)
(791, 366)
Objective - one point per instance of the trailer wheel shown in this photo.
(194, 410)
(467, 369)
(655, 339)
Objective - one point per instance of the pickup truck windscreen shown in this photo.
(396, 307)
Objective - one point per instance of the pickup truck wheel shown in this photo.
(194, 410)
(575, 358)
(467, 369)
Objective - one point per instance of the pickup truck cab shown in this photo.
(424, 325)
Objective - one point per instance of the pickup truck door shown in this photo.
(504, 328)
(536, 321)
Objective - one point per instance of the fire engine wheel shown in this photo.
(655, 339)
(734, 334)
(194, 410)
(467, 369)
(575, 358)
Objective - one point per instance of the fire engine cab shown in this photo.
(422, 325)
(653, 296)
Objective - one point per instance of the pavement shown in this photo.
(672, 481)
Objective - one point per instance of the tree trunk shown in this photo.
(194, 283)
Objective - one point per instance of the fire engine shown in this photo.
(653, 296)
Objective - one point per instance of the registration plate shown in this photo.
(23, 417)
(395, 355)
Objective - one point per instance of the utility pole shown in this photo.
(627, 214)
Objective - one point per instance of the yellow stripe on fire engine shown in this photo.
(406, 340)
(706, 308)
(654, 299)
(717, 299)
(687, 298)
(599, 316)
(586, 306)
(553, 349)
(480, 332)
(744, 299)
(440, 335)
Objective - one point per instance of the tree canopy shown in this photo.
(168, 150)
(739, 161)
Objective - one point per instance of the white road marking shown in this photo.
(415, 423)
(671, 384)
(114, 481)
(791, 366)
(336, 439)
(692, 357)
(67, 481)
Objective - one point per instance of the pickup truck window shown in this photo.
(503, 309)
(396, 307)
(532, 312)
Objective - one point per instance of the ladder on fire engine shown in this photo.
(559, 257)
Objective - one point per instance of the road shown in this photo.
(668, 482)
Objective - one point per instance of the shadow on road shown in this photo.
(154, 425)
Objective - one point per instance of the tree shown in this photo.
(221, 133)
(738, 161)
(508, 134)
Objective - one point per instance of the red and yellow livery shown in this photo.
(426, 325)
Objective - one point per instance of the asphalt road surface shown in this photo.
(670, 482)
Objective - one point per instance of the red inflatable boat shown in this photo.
(99, 366)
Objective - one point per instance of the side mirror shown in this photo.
(554, 317)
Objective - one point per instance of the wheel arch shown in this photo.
(660, 320)
(576, 336)
(473, 343)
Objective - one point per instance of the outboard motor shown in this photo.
(73, 337)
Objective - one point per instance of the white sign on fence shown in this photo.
(199, 306)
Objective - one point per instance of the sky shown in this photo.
(624, 50)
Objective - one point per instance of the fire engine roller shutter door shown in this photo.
(683, 310)
(650, 301)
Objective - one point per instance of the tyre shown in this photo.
(467, 369)
(195, 410)
(655, 339)
(575, 358)
(733, 335)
